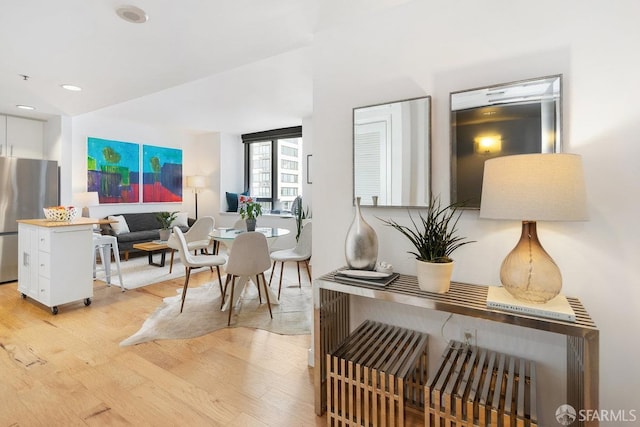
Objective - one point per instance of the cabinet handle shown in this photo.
(25, 259)
(11, 155)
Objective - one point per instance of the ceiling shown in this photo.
(206, 65)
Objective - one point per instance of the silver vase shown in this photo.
(361, 244)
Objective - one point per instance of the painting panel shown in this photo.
(113, 170)
(161, 174)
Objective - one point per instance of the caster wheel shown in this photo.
(24, 296)
(54, 309)
(87, 301)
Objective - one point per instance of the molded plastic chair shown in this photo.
(300, 253)
(249, 257)
(197, 237)
(106, 245)
(195, 261)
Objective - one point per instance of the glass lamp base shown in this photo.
(528, 272)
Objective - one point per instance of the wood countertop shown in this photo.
(77, 221)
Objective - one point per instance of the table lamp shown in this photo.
(530, 188)
(86, 199)
(197, 182)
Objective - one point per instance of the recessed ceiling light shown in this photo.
(25, 107)
(73, 88)
(132, 14)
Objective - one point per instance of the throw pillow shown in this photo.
(120, 226)
(232, 201)
(182, 220)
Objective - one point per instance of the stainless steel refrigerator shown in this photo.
(26, 186)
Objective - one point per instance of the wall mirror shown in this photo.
(513, 118)
(392, 153)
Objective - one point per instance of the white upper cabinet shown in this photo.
(21, 137)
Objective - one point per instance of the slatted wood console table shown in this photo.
(332, 326)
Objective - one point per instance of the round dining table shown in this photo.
(226, 237)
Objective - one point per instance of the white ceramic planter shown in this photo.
(434, 276)
(165, 233)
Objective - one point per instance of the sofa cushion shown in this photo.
(120, 226)
(182, 220)
(142, 221)
(139, 236)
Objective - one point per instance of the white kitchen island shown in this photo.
(55, 261)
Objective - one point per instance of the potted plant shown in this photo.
(165, 219)
(300, 215)
(249, 211)
(435, 239)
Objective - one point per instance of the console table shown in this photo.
(332, 326)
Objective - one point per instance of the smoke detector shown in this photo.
(132, 14)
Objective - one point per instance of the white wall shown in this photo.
(231, 173)
(307, 164)
(434, 48)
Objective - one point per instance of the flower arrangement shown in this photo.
(248, 208)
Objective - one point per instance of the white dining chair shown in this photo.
(195, 261)
(104, 246)
(197, 237)
(248, 258)
(300, 253)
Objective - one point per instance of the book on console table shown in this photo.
(376, 280)
(556, 308)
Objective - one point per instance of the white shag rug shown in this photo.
(202, 314)
(136, 272)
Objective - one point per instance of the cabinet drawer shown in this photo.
(44, 290)
(44, 264)
(44, 240)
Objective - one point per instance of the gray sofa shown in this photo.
(143, 227)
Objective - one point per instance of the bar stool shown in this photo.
(105, 245)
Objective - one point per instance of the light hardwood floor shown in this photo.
(68, 370)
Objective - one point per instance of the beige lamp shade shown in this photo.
(534, 187)
(86, 199)
(196, 181)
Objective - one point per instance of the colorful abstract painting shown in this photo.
(113, 170)
(161, 174)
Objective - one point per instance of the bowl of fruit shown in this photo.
(60, 213)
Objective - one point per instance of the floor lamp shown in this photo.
(197, 182)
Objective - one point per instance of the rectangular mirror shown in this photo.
(514, 118)
(392, 153)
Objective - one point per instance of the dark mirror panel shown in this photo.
(513, 118)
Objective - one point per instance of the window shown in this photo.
(290, 151)
(289, 191)
(289, 164)
(288, 177)
(273, 166)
